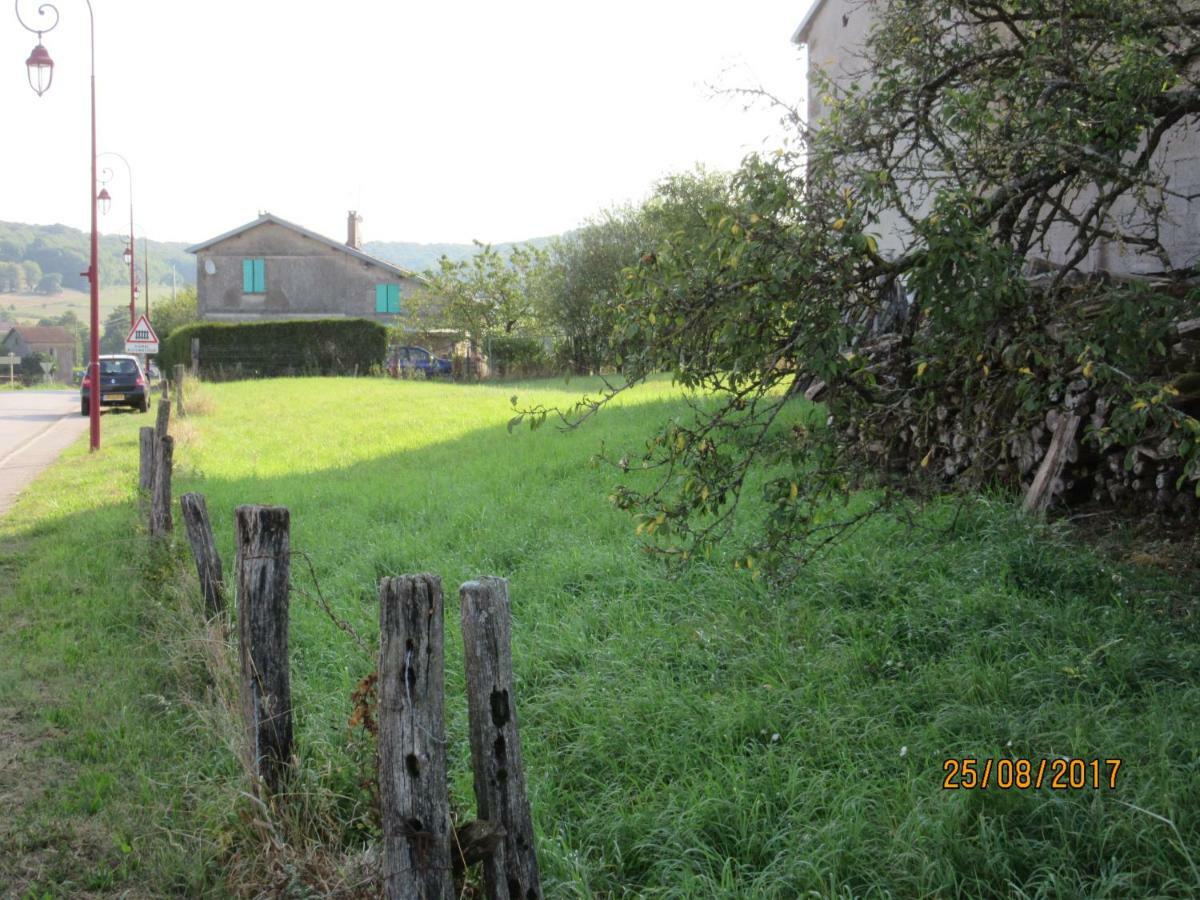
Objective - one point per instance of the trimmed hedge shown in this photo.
(265, 349)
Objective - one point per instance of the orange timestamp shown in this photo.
(1058, 774)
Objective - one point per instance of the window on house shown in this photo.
(254, 276)
(387, 298)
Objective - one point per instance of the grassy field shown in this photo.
(695, 735)
(32, 307)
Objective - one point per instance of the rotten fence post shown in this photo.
(263, 572)
(160, 494)
(413, 790)
(512, 871)
(163, 421)
(146, 453)
(204, 550)
(179, 409)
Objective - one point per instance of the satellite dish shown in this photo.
(209, 266)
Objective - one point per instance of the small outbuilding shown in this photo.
(53, 341)
(273, 269)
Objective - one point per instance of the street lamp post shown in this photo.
(41, 73)
(130, 250)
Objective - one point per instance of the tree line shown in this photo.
(47, 258)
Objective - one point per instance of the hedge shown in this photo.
(264, 349)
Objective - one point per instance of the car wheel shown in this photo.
(83, 408)
(144, 406)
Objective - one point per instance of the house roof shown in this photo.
(320, 238)
(800, 35)
(43, 334)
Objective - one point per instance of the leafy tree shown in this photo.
(484, 295)
(584, 284)
(116, 328)
(11, 278)
(894, 255)
(50, 283)
(168, 315)
(32, 274)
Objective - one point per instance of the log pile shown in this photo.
(984, 440)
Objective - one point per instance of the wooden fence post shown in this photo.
(163, 421)
(204, 550)
(179, 408)
(195, 356)
(160, 495)
(146, 454)
(413, 791)
(263, 572)
(512, 871)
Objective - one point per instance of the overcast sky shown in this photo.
(442, 121)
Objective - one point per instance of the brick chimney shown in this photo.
(354, 230)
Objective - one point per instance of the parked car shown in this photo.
(122, 383)
(418, 359)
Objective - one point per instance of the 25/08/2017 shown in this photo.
(1059, 774)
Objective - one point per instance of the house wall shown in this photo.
(304, 279)
(63, 354)
(835, 38)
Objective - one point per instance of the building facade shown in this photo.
(52, 340)
(834, 33)
(272, 269)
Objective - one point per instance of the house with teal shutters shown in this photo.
(273, 269)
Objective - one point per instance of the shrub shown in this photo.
(509, 355)
(264, 349)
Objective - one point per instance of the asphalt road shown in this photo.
(35, 427)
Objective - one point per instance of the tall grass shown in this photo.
(701, 734)
(696, 733)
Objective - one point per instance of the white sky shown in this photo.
(436, 121)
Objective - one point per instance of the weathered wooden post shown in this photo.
(413, 791)
(512, 871)
(163, 421)
(160, 495)
(263, 572)
(146, 454)
(195, 357)
(179, 408)
(204, 551)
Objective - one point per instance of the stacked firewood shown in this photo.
(1057, 459)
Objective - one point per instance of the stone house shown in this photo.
(52, 340)
(272, 269)
(834, 32)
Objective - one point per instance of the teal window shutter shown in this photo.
(393, 299)
(254, 276)
(381, 298)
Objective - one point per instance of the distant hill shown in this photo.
(35, 251)
(58, 249)
(419, 257)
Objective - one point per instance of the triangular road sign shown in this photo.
(142, 338)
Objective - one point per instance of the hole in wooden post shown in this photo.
(410, 670)
(413, 765)
(499, 708)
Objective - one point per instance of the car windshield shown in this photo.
(118, 367)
